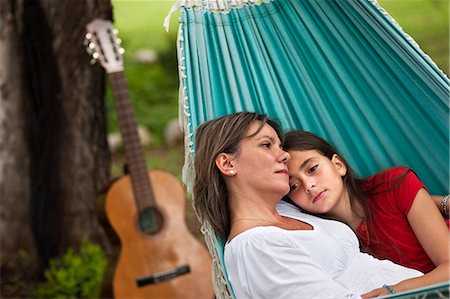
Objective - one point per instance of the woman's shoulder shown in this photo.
(289, 210)
(256, 239)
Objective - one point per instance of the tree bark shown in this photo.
(54, 157)
(17, 243)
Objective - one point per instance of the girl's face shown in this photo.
(315, 181)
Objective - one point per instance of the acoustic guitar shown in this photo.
(159, 257)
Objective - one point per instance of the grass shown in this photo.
(140, 23)
(427, 22)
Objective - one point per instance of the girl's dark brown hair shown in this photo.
(303, 141)
(220, 135)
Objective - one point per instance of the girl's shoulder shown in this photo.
(391, 173)
(387, 179)
(395, 187)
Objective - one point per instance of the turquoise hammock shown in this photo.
(343, 70)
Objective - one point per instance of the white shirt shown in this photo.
(326, 262)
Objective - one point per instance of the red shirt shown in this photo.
(389, 235)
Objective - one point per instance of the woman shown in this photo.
(241, 174)
(392, 213)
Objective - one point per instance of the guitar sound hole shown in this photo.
(150, 220)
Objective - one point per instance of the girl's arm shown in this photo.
(438, 200)
(432, 233)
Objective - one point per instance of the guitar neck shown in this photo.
(133, 151)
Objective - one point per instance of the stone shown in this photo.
(173, 135)
(147, 56)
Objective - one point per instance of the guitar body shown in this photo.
(144, 254)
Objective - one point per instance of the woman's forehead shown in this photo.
(257, 129)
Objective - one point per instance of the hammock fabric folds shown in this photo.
(343, 70)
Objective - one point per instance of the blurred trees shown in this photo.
(54, 157)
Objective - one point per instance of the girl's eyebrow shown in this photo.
(306, 162)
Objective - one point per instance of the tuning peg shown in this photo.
(121, 50)
(88, 36)
(118, 41)
(115, 31)
(94, 58)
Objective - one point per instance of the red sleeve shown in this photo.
(401, 182)
(408, 191)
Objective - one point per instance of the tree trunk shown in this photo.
(54, 157)
(19, 258)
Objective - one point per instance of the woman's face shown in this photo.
(315, 181)
(261, 162)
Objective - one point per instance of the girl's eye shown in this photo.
(267, 144)
(294, 186)
(313, 169)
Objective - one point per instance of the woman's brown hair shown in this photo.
(220, 135)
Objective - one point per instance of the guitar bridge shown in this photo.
(162, 276)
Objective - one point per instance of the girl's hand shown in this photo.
(376, 293)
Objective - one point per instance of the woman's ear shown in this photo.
(225, 164)
(339, 164)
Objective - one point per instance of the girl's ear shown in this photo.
(225, 164)
(339, 164)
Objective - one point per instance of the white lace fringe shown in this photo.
(188, 175)
(218, 5)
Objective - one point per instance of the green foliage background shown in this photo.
(74, 275)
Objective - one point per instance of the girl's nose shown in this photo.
(309, 187)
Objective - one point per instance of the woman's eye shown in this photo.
(266, 145)
(313, 169)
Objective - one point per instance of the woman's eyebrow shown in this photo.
(266, 136)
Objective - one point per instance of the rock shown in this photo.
(144, 135)
(146, 56)
(115, 140)
(173, 135)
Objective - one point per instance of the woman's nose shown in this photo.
(285, 156)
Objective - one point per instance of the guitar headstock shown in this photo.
(103, 45)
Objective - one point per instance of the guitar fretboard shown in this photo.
(133, 151)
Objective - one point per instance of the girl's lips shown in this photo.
(318, 196)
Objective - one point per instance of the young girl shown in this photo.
(391, 212)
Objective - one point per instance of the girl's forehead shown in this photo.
(298, 156)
